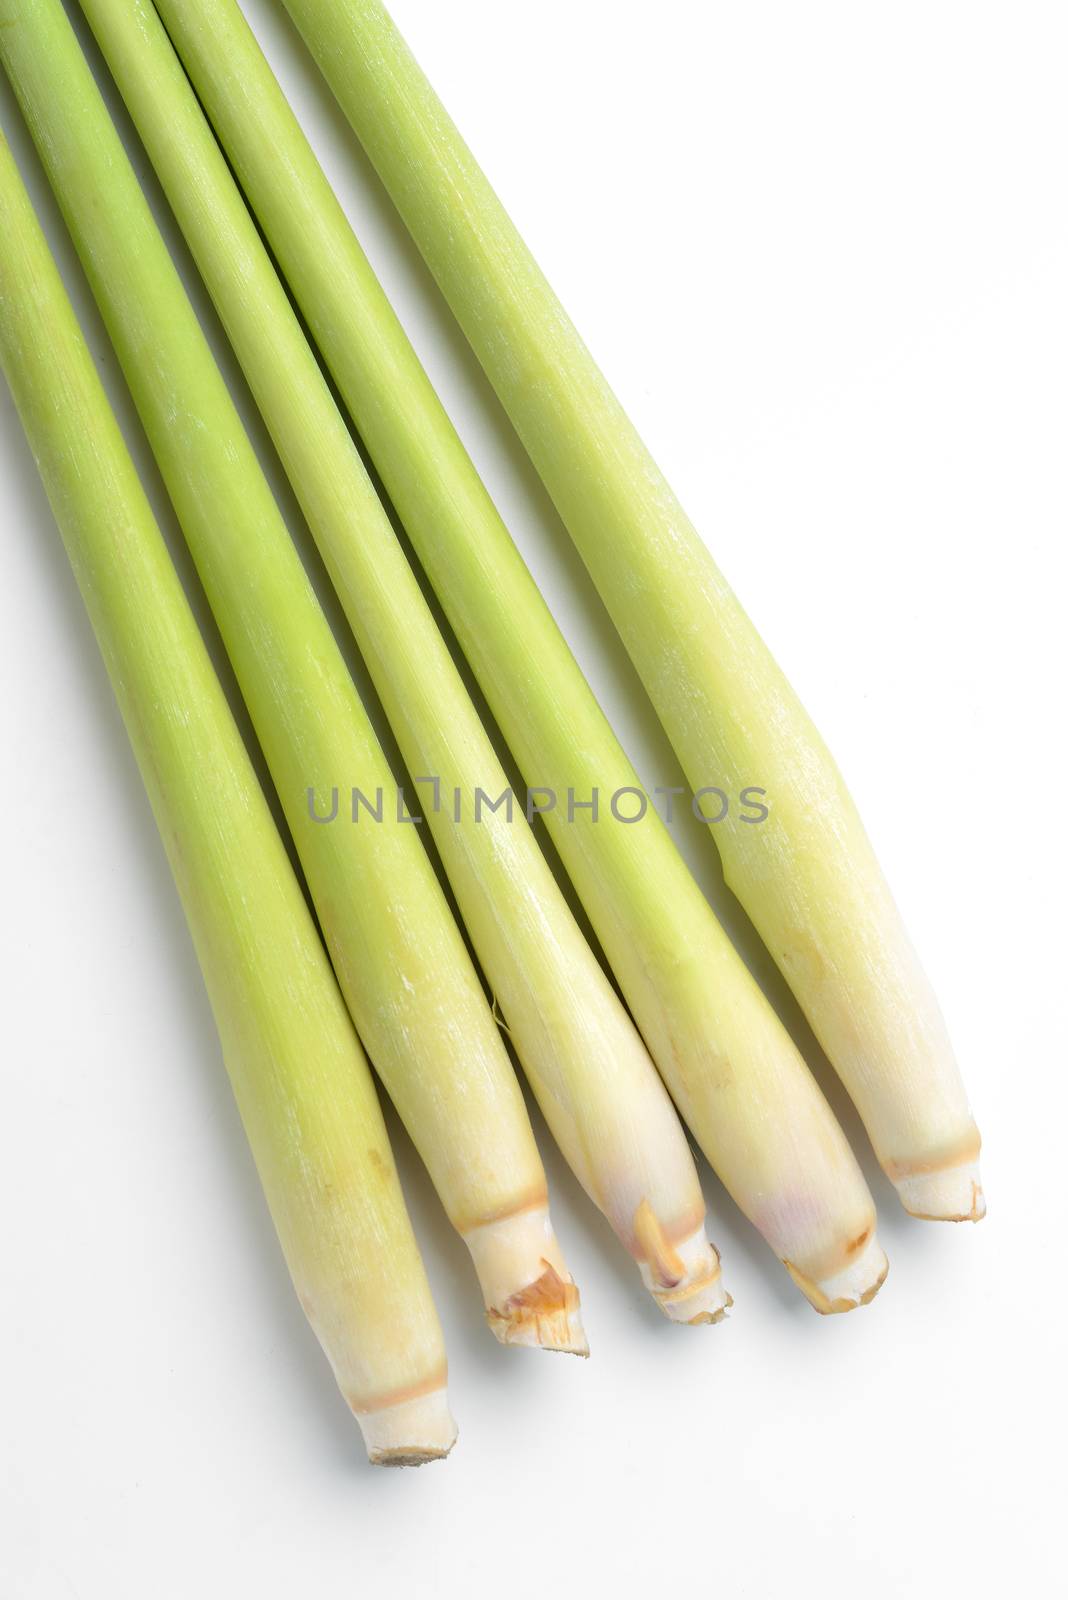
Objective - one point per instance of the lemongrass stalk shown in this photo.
(807, 876)
(403, 967)
(729, 1063)
(590, 1071)
(299, 1075)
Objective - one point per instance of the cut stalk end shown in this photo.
(692, 1291)
(953, 1195)
(530, 1296)
(409, 1433)
(545, 1315)
(855, 1285)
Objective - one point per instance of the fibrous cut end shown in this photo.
(955, 1194)
(529, 1294)
(409, 1433)
(545, 1315)
(855, 1284)
(699, 1298)
(685, 1279)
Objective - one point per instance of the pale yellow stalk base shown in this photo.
(854, 1285)
(410, 1433)
(691, 1290)
(954, 1194)
(530, 1296)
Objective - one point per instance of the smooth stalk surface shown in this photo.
(807, 877)
(729, 1063)
(404, 970)
(586, 1062)
(299, 1075)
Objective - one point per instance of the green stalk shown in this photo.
(807, 876)
(300, 1077)
(726, 1058)
(586, 1062)
(404, 970)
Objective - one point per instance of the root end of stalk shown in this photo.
(719, 1314)
(409, 1433)
(529, 1294)
(403, 1457)
(856, 1285)
(692, 1291)
(545, 1316)
(954, 1194)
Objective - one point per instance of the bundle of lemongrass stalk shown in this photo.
(695, 1028)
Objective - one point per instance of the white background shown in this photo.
(822, 252)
